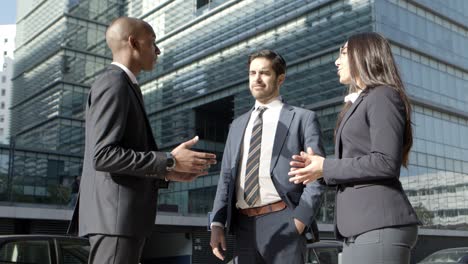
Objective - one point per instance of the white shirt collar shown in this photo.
(352, 97)
(276, 103)
(127, 71)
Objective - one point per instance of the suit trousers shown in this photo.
(107, 249)
(270, 238)
(381, 246)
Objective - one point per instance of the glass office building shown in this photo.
(200, 84)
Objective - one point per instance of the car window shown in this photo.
(439, 257)
(26, 252)
(327, 255)
(322, 256)
(74, 251)
(312, 258)
(445, 257)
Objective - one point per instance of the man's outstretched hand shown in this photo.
(190, 161)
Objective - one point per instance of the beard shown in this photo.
(263, 94)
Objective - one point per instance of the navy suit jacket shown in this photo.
(297, 129)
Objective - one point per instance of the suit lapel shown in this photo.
(135, 90)
(343, 122)
(139, 95)
(286, 116)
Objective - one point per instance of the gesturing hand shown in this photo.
(192, 161)
(218, 241)
(306, 167)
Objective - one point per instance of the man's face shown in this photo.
(148, 51)
(263, 82)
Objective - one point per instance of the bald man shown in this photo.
(122, 166)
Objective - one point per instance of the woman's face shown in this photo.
(342, 65)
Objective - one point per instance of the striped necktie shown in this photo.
(252, 187)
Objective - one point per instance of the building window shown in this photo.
(2, 118)
(212, 120)
(202, 3)
(3, 79)
(1, 132)
(2, 105)
(3, 91)
(5, 53)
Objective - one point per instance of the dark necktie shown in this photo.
(138, 91)
(251, 186)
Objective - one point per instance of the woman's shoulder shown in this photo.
(383, 92)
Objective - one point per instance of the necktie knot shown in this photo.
(261, 109)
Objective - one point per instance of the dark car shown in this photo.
(324, 252)
(43, 249)
(446, 256)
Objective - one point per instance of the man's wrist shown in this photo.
(218, 224)
(170, 162)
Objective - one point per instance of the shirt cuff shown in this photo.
(216, 224)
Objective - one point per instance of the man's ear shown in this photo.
(133, 42)
(281, 79)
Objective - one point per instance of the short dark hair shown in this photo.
(278, 63)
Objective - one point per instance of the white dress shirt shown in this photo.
(268, 193)
(127, 71)
(352, 97)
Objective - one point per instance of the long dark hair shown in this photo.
(371, 61)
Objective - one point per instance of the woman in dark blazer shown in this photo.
(373, 139)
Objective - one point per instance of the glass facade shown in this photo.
(60, 48)
(31, 176)
(200, 84)
(429, 46)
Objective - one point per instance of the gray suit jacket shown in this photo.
(122, 168)
(297, 129)
(366, 170)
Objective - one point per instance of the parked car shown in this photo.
(446, 256)
(324, 252)
(43, 249)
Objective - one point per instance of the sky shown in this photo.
(8, 12)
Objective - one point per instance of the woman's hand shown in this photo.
(306, 167)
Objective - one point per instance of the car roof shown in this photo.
(39, 236)
(452, 249)
(326, 243)
(428, 259)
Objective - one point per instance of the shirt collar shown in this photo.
(352, 97)
(276, 103)
(127, 71)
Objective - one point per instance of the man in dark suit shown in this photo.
(122, 166)
(255, 200)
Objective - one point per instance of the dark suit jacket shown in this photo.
(368, 151)
(297, 129)
(121, 170)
